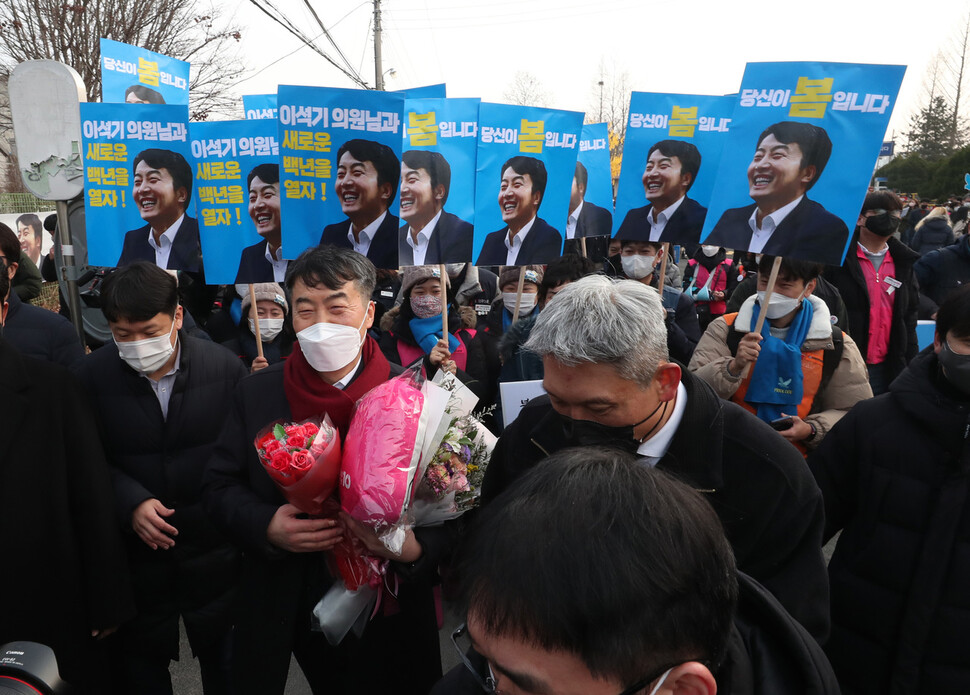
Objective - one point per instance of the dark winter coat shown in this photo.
(934, 234)
(895, 477)
(851, 284)
(64, 571)
(756, 481)
(41, 334)
(280, 589)
(941, 271)
(153, 457)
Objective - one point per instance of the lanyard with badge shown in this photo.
(893, 284)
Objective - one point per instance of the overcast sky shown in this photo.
(697, 47)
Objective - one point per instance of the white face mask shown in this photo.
(638, 267)
(147, 356)
(526, 305)
(780, 304)
(268, 328)
(710, 251)
(330, 346)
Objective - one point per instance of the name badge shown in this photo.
(483, 309)
(387, 293)
(893, 283)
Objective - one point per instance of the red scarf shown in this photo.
(310, 396)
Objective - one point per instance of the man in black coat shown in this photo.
(527, 239)
(430, 235)
(789, 159)
(670, 216)
(609, 383)
(585, 219)
(159, 396)
(64, 580)
(263, 261)
(367, 177)
(284, 571)
(942, 271)
(34, 331)
(895, 477)
(889, 346)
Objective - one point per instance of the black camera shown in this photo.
(28, 668)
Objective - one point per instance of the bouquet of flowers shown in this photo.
(404, 435)
(303, 459)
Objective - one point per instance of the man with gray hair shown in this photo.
(610, 383)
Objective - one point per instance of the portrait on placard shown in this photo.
(673, 143)
(340, 156)
(137, 177)
(591, 196)
(797, 165)
(237, 198)
(437, 194)
(525, 167)
(134, 75)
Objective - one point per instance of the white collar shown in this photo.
(424, 234)
(168, 234)
(663, 216)
(579, 208)
(776, 217)
(656, 447)
(520, 237)
(368, 232)
(349, 376)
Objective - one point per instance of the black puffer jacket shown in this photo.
(934, 234)
(153, 457)
(895, 477)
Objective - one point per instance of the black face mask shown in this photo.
(882, 225)
(956, 368)
(589, 433)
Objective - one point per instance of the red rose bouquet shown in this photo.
(303, 459)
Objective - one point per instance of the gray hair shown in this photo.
(600, 320)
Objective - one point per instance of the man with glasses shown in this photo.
(611, 383)
(597, 575)
(878, 288)
(631, 590)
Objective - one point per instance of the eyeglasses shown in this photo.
(462, 643)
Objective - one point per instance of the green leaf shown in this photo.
(279, 432)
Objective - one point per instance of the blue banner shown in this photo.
(670, 158)
(340, 156)
(259, 106)
(526, 160)
(147, 198)
(796, 168)
(237, 217)
(135, 76)
(431, 91)
(438, 181)
(594, 154)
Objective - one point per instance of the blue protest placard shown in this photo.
(591, 200)
(438, 181)
(526, 159)
(796, 167)
(237, 197)
(670, 159)
(259, 106)
(431, 91)
(138, 185)
(340, 156)
(135, 76)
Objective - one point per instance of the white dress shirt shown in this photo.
(573, 221)
(279, 265)
(419, 248)
(163, 248)
(760, 237)
(513, 244)
(662, 218)
(656, 447)
(366, 235)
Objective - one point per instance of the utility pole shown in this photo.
(601, 101)
(378, 68)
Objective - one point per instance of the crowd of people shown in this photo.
(653, 523)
